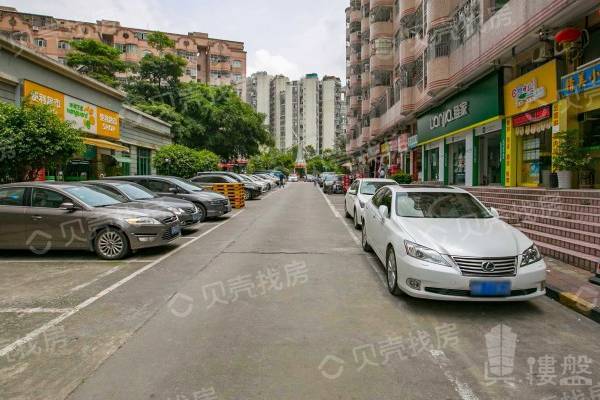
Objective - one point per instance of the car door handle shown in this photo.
(37, 217)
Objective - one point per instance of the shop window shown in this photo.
(590, 129)
(143, 161)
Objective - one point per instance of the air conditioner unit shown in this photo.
(35, 28)
(542, 53)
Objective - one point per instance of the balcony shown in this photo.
(438, 68)
(355, 15)
(375, 128)
(407, 100)
(407, 50)
(439, 12)
(382, 62)
(354, 102)
(407, 6)
(382, 29)
(377, 92)
(378, 3)
(365, 24)
(365, 106)
(365, 52)
(366, 134)
(354, 58)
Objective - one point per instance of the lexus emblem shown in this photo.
(488, 266)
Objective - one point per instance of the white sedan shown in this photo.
(293, 178)
(442, 243)
(359, 193)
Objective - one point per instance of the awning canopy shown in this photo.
(105, 144)
(124, 160)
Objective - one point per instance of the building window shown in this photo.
(63, 44)
(381, 14)
(465, 22)
(39, 42)
(141, 35)
(236, 64)
(238, 77)
(439, 42)
(143, 161)
(381, 78)
(131, 48)
(383, 47)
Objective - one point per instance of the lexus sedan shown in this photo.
(44, 216)
(210, 204)
(442, 243)
(359, 193)
(188, 214)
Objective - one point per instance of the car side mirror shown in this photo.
(494, 212)
(173, 190)
(383, 211)
(353, 192)
(68, 206)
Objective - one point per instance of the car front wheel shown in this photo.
(356, 223)
(365, 241)
(111, 244)
(201, 212)
(346, 213)
(392, 273)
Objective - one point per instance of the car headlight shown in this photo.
(530, 256)
(424, 253)
(176, 210)
(142, 221)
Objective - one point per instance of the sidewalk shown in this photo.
(570, 286)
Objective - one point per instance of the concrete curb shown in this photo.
(574, 302)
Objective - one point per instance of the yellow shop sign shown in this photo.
(82, 115)
(532, 90)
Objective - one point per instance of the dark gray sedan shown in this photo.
(187, 212)
(210, 204)
(41, 216)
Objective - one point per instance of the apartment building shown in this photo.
(210, 60)
(258, 94)
(309, 108)
(426, 85)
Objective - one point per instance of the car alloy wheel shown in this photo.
(247, 195)
(392, 272)
(346, 210)
(111, 244)
(365, 242)
(201, 212)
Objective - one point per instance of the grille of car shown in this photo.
(489, 267)
(467, 293)
(168, 235)
(169, 220)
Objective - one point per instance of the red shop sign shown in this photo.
(532, 116)
(403, 142)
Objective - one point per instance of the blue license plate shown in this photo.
(490, 289)
(175, 230)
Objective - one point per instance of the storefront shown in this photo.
(579, 110)
(415, 157)
(530, 106)
(453, 134)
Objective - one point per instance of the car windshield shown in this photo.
(136, 192)
(187, 185)
(369, 187)
(93, 197)
(439, 205)
(330, 178)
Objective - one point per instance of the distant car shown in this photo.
(333, 184)
(210, 204)
(43, 216)
(187, 212)
(442, 243)
(321, 178)
(264, 186)
(206, 179)
(293, 178)
(310, 178)
(271, 178)
(359, 193)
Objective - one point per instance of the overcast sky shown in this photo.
(281, 36)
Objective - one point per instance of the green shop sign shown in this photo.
(479, 102)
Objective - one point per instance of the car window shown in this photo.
(12, 196)
(439, 205)
(136, 192)
(45, 198)
(370, 187)
(386, 200)
(355, 185)
(377, 197)
(202, 179)
(93, 197)
(159, 186)
(113, 191)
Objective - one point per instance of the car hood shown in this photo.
(137, 209)
(169, 202)
(489, 237)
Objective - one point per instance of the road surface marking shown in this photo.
(52, 323)
(372, 262)
(34, 310)
(102, 275)
(463, 389)
(71, 261)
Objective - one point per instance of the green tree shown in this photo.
(161, 71)
(32, 137)
(183, 161)
(97, 60)
(160, 41)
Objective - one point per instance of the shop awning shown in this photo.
(105, 144)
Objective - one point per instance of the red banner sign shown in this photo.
(532, 116)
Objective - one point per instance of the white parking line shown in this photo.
(52, 323)
(463, 389)
(34, 310)
(70, 261)
(372, 262)
(104, 274)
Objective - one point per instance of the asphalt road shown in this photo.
(276, 302)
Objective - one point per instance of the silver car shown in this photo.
(40, 217)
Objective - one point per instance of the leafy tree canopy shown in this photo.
(160, 41)
(97, 60)
(183, 161)
(37, 138)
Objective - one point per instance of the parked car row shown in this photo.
(442, 243)
(111, 217)
(254, 184)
